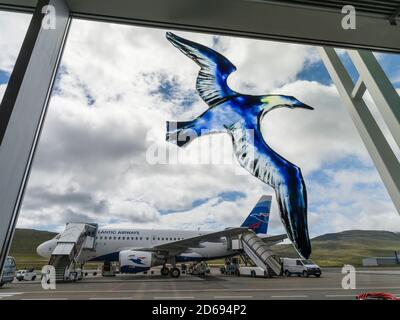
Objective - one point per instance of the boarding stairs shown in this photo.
(259, 253)
(77, 238)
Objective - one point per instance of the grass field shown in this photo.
(24, 245)
(348, 247)
(329, 250)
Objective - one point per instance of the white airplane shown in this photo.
(138, 250)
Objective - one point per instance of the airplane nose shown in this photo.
(43, 250)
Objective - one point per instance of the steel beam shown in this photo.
(380, 88)
(23, 109)
(273, 20)
(379, 149)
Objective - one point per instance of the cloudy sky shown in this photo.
(116, 87)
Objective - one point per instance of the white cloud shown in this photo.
(13, 27)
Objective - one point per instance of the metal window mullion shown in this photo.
(23, 110)
(379, 149)
(381, 89)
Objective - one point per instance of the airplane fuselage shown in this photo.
(109, 242)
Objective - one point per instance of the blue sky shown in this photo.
(110, 104)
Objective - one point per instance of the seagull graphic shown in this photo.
(240, 115)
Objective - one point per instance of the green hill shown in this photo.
(333, 249)
(24, 245)
(348, 247)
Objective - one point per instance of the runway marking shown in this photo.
(340, 295)
(112, 298)
(174, 291)
(9, 294)
(210, 290)
(294, 296)
(44, 299)
(383, 272)
(234, 297)
(143, 280)
(159, 298)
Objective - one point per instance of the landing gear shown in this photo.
(175, 272)
(164, 271)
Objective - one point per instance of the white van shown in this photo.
(252, 272)
(300, 267)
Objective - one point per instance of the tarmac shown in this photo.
(213, 286)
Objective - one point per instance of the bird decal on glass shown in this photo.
(240, 115)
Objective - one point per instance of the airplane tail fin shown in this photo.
(258, 218)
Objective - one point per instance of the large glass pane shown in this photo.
(13, 28)
(103, 157)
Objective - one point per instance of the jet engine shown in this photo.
(136, 261)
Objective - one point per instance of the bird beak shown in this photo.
(305, 106)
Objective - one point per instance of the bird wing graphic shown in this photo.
(260, 160)
(215, 69)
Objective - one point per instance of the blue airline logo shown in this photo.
(138, 260)
(262, 217)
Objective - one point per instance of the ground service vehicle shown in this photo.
(300, 267)
(8, 271)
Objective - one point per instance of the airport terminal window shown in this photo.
(103, 156)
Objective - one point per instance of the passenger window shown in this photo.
(175, 239)
(140, 238)
(154, 238)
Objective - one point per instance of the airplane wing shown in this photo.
(274, 239)
(176, 247)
